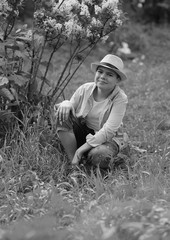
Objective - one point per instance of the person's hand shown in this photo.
(77, 157)
(79, 153)
(62, 110)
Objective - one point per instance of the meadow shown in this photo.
(43, 197)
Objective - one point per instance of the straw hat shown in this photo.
(112, 62)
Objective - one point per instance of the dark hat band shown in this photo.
(108, 65)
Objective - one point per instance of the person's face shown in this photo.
(106, 78)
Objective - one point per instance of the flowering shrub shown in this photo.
(24, 62)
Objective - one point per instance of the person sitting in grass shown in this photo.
(89, 125)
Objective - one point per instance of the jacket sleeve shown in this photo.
(75, 99)
(111, 126)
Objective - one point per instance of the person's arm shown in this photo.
(79, 153)
(63, 109)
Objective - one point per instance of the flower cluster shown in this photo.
(75, 19)
(4, 8)
(8, 7)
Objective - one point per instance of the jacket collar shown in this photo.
(112, 95)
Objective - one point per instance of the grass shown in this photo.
(43, 197)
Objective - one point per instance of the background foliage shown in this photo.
(43, 197)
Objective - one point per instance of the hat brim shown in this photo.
(122, 75)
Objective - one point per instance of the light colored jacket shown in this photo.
(110, 119)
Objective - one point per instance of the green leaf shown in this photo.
(3, 81)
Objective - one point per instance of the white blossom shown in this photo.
(84, 10)
(72, 28)
(104, 39)
(96, 22)
(97, 9)
(58, 27)
(4, 7)
(116, 12)
(119, 22)
(39, 14)
(29, 34)
(50, 22)
(109, 3)
(88, 33)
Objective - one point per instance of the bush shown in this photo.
(133, 35)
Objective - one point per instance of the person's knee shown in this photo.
(102, 155)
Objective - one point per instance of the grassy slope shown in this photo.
(92, 207)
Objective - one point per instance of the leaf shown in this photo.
(3, 81)
(6, 93)
(39, 40)
(21, 45)
(14, 93)
(20, 54)
(18, 79)
(24, 39)
(39, 74)
(25, 74)
(1, 36)
(139, 150)
(2, 62)
(12, 46)
(22, 97)
(145, 172)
